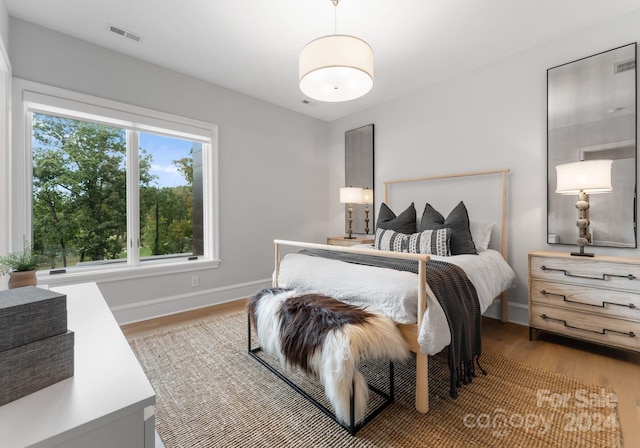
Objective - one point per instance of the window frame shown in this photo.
(32, 97)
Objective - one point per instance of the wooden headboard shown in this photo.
(503, 231)
(503, 212)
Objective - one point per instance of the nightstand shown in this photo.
(344, 241)
(595, 299)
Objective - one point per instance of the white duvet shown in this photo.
(395, 293)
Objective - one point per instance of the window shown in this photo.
(170, 197)
(116, 187)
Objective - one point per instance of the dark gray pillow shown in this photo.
(458, 221)
(405, 222)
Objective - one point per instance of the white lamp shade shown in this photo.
(336, 68)
(367, 196)
(350, 195)
(590, 176)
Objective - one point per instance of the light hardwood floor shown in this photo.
(587, 362)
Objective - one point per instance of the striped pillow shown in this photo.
(387, 239)
(433, 242)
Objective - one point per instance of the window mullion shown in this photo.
(133, 198)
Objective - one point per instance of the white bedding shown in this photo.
(395, 293)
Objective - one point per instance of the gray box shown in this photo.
(34, 366)
(29, 314)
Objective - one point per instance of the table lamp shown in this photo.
(584, 178)
(350, 195)
(367, 198)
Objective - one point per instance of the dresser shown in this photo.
(107, 403)
(595, 299)
(344, 241)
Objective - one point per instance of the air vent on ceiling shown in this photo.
(124, 33)
(624, 66)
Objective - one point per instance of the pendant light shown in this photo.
(337, 67)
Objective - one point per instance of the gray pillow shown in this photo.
(405, 222)
(458, 221)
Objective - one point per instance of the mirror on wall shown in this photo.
(591, 106)
(358, 171)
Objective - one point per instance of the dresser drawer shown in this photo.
(588, 272)
(591, 327)
(581, 298)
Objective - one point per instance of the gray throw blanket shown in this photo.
(458, 298)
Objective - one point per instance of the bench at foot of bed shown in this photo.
(328, 339)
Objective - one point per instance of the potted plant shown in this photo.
(21, 267)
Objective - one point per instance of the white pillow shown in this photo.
(481, 234)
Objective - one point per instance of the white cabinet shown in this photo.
(591, 298)
(107, 403)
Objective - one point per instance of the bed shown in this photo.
(414, 307)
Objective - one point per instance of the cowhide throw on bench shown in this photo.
(326, 338)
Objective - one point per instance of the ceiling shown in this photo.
(252, 46)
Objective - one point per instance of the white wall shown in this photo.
(5, 134)
(273, 164)
(4, 24)
(492, 117)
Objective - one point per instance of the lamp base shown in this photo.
(582, 254)
(349, 237)
(584, 236)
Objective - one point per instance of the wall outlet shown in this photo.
(195, 281)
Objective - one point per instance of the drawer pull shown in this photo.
(603, 277)
(603, 332)
(626, 305)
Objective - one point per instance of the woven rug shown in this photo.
(211, 393)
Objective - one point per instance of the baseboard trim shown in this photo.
(164, 306)
(518, 312)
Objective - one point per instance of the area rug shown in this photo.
(211, 393)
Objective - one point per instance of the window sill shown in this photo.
(114, 274)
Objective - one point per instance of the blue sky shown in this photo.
(164, 151)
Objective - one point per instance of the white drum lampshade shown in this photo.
(336, 68)
(350, 195)
(367, 196)
(590, 176)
